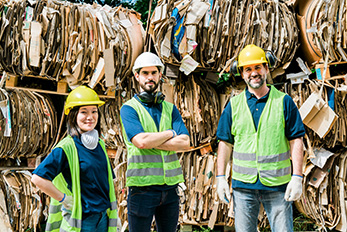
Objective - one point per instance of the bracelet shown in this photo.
(173, 133)
(219, 175)
(297, 175)
(63, 198)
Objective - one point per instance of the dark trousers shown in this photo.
(144, 203)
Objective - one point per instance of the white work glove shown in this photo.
(294, 189)
(67, 202)
(223, 189)
(119, 224)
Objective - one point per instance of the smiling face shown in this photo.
(148, 78)
(87, 118)
(255, 75)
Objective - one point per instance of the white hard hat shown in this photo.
(147, 59)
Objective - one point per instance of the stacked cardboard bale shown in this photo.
(212, 37)
(59, 41)
(324, 189)
(323, 31)
(71, 42)
(199, 106)
(323, 103)
(209, 34)
(21, 204)
(29, 124)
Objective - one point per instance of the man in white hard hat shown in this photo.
(153, 131)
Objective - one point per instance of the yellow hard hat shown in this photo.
(251, 54)
(81, 96)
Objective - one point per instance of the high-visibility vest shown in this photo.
(152, 166)
(56, 222)
(265, 151)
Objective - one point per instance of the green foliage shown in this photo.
(265, 229)
(223, 78)
(142, 6)
(223, 81)
(302, 223)
(125, 4)
(202, 229)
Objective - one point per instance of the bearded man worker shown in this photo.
(153, 130)
(266, 130)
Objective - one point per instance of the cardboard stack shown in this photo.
(70, 42)
(208, 34)
(21, 204)
(30, 124)
(323, 31)
(84, 43)
(324, 189)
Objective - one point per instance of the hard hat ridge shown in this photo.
(251, 54)
(81, 96)
(147, 59)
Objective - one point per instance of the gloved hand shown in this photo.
(67, 202)
(294, 189)
(223, 189)
(119, 224)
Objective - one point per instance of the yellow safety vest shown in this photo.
(56, 222)
(266, 151)
(152, 166)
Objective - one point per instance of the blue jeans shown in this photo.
(144, 203)
(246, 207)
(95, 222)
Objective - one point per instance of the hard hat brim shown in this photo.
(252, 62)
(82, 103)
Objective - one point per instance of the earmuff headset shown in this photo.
(156, 98)
(270, 57)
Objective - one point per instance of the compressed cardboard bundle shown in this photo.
(200, 204)
(199, 106)
(324, 189)
(323, 30)
(22, 205)
(324, 113)
(62, 40)
(110, 125)
(210, 34)
(29, 123)
(120, 166)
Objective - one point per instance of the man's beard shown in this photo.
(256, 85)
(149, 89)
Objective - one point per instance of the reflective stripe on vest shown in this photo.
(264, 152)
(262, 159)
(73, 222)
(152, 166)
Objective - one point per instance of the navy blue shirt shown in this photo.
(93, 174)
(294, 128)
(133, 126)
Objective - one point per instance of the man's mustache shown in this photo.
(257, 76)
(151, 82)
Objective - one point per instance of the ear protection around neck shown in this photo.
(156, 98)
(271, 62)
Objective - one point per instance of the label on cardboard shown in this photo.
(99, 72)
(319, 74)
